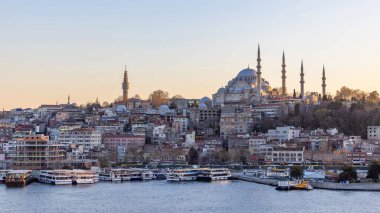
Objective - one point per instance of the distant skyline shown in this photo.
(50, 49)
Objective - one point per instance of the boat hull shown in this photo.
(19, 183)
(89, 181)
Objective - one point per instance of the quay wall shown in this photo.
(271, 182)
(316, 185)
(349, 186)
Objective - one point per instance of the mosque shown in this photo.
(242, 89)
(248, 87)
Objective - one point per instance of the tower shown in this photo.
(125, 85)
(258, 74)
(323, 84)
(283, 77)
(302, 82)
(68, 100)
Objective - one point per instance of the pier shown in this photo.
(315, 184)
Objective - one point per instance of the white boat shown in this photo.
(214, 174)
(135, 174)
(107, 176)
(183, 175)
(115, 175)
(141, 174)
(120, 174)
(147, 175)
(55, 177)
(84, 177)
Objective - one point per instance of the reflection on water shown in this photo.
(182, 197)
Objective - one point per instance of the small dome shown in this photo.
(164, 108)
(248, 72)
(109, 112)
(121, 108)
(202, 106)
(221, 90)
(265, 83)
(205, 100)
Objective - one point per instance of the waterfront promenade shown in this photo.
(316, 184)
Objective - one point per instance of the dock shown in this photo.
(316, 184)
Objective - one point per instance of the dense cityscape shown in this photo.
(210, 106)
(246, 124)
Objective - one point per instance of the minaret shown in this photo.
(258, 74)
(323, 84)
(283, 77)
(68, 100)
(302, 82)
(125, 85)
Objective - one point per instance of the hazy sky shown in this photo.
(49, 49)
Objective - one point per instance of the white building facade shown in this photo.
(87, 137)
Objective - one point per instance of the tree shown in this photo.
(158, 97)
(373, 96)
(118, 99)
(296, 172)
(178, 97)
(193, 156)
(373, 171)
(348, 174)
(276, 92)
(103, 162)
(222, 156)
(105, 104)
(137, 96)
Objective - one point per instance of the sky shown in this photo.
(51, 48)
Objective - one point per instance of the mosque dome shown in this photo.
(202, 106)
(205, 100)
(248, 72)
(221, 90)
(164, 108)
(121, 108)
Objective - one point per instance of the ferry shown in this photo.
(294, 185)
(18, 178)
(3, 174)
(214, 174)
(55, 177)
(84, 177)
(115, 175)
(148, 175)
(135, 174)
(107, 175)
(183, 175)
(159, 175)
(141, 174)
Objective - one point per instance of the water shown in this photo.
(184, 197)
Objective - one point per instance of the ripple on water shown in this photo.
(184, 197)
